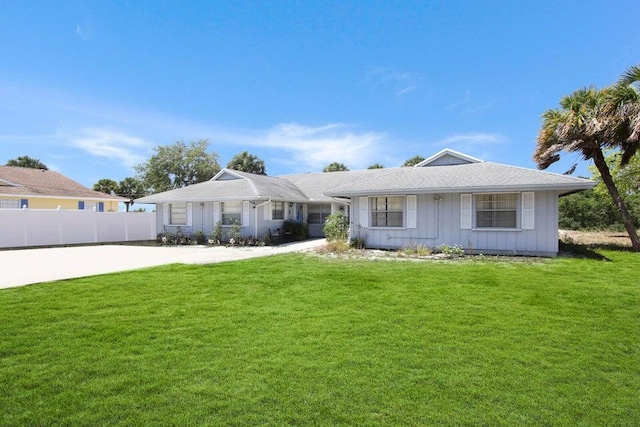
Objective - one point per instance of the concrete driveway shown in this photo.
(28, 266)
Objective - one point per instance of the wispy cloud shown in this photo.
(478, 108)
(464, 100)
(473, 139)
(401, 82)
(476, 144)
(112, 145)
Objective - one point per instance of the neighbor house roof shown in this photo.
(28, 182)
(447, 171)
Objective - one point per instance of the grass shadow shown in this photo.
(585, 251)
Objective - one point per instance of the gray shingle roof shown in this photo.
(483, 176)
(19, 181)
(469, 177)
(246, 187)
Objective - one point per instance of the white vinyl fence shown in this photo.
(39, 227)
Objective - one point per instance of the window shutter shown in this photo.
(267, 211)
(189, 213)
(364, 212)
(412, 202)
(245, 213)
(100, 206)
(528, 211)
(466, 211)
(165, 213)
(216, 212)
(80, 205)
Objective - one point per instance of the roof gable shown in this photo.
(227, 175)
(448, 157)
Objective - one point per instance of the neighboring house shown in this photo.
(30, 188)
(448, 199)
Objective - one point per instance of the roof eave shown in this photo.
(469, 189)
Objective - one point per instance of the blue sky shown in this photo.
(90, 87)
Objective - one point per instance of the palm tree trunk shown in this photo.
(603, 168)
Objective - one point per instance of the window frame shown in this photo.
(375, 211)
(226, 223)
(6, 203)
(325, 211)
(172, 214)
(277, 214)
(496, 210)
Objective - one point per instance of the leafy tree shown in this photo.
(178, 165)
(131, 188)
(246, 162)
(413, 161)
(587, 210)
(376, 166)
(587, 122)
(27, 162)
(335, 167)
(107, 186)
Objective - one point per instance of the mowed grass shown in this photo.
(302, 340)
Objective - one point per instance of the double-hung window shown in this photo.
(277, 210)
(496, 210)
(318, 213)
(178, 214)
(231, 213)
(387, 211)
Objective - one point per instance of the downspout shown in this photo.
(255, 230)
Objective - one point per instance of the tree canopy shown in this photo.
(106, 185)
(335, 167)
(413, 161)
(246, 162)
(27, 162)
(376, 166)
(178, 165)
(131, 188)
(589, 121)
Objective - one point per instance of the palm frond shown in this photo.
(632, 75)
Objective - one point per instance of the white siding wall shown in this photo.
(438, 223)
(204, 219)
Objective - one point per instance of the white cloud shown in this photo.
(401, 82)
(316, 147)
(309, 147)
(111, 144)
(476, 144)
(472, 139)
(465, 99)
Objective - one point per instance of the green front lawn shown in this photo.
(301, 340)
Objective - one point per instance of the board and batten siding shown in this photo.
(204, 217)
(439, 221)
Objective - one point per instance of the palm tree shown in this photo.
(246, 162)
(413, 161)
(588, 121)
